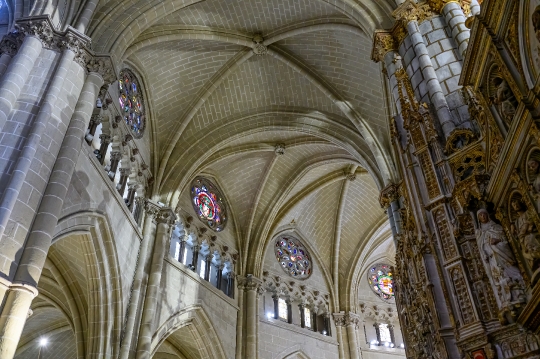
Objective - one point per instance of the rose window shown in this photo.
(293, 257)
(381, 280)
(208, 203)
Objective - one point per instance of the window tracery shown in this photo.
(293, 257)
(132, 102)
(381, 281)
(208, 203)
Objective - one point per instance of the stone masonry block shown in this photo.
(456, 67)
(443, 73)
(446, 44)
(438, 22)
(436, 35)
(452, 84)
(434, 49)
(446, 58)
(425, 27)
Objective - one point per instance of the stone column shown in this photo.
(195, 258)
(208, 261)
(339, 319)
(16, 75)
(115, 161)
(432, 82)
(40, 236)
(219, 276)
(121, 186)
(22, 165)
(103, 147)
(252, 287)
(314, 318)
(240, 321)
(182, 248)
(301, 307)
(132, 189)
(149, 233)
(351, 323)
(275, 297)
(39, 239)
(455, 19)
(95, 121)
(289, 310)
(165, 219)
(230, 284)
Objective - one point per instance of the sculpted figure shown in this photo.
(504, 99)
(534, 171)
(525, 229)
(499, 261)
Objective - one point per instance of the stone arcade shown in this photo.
(278, 179)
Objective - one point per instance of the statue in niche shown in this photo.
(504, 99)
(536, 22)
(499, 262)
(525, 229)
(534, 178)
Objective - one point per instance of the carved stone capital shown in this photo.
(389, 194)
(165, 215)
(105, 138)
(383, 43)
(152, 209)
(116, 156)
(412, 11)
(39, 27)
(102, 65)
(250, 282)
(96, 120)
(11, 42)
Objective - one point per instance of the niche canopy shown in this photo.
(381, 280)
(131, 102)
(293, 257)
(209, 203)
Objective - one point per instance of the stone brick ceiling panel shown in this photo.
(175, 72)
(314, 175)
(241, 177)
(316, 219)
(251, 16)
(260, 82)
(286, 167)
(343, 59)
(361, 212)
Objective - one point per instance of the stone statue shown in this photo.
(534, 174)
(499, 261)
(525, 229)
(504, 99)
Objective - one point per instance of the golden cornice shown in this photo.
(411, 11)
(385, 41)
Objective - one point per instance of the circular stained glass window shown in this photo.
(208, 203)
(380, 279)
(131, 102)
(293, 257)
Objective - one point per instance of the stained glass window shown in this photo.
(385, 333)
(307, 317)
(208, 203)
(381, 281)
(293, 257)
(283, 312)
(131, 102)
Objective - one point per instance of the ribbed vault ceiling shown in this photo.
(220, 109)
